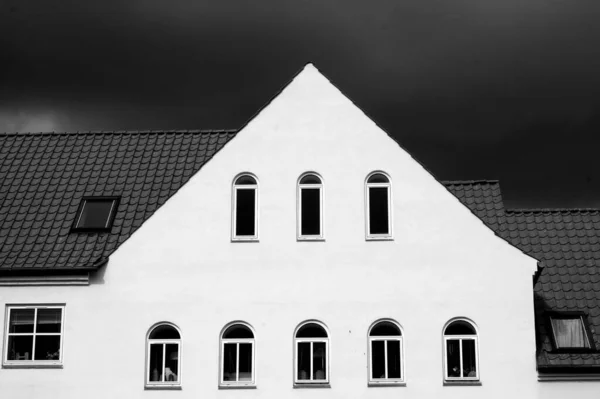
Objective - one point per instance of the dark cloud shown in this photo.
(505, 89)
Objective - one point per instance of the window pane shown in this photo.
(156, 362)
(311, 330)
(229, 359)
(47, 347)
(172, 362)
(453, 357)
(95, 214)
(238, 331)
(468, 350)
(21, 320)
(310, 179)
(164, 332)
(378, 178)
(319, 360)
(393, 358)
(378, 210)
(245, 362)
(48, 320)
(245, 180)
(304, 361)
(20, 347)
(244, 225)
(311, 211)
(385, 328)
(460, 328)
(378, 359)
(570, 333)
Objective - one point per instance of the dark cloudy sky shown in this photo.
(497, 89)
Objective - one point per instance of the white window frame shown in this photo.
(300, 187)
(297, 341)
(163, 342)
(237, 342)
(31, 362)
(386, 338)
(388, 186)
(461, 338)
(235, 188)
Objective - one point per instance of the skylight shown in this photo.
(569, 332)
(96, 214)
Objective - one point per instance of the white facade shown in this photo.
(182, 267)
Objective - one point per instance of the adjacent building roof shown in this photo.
(43, 177)
(567, 244)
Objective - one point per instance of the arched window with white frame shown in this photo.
(461, 351)
(378, 193)
(310, 207)
(311, 349)
(245, 208)
(237, 355)
(163, 354)
(386, 353)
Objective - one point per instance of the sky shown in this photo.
(473, 89)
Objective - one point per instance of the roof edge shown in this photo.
(95, 132)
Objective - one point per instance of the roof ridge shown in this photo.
(550, 210)
(447, 182)
(149, 131)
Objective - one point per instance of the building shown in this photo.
(306, 250)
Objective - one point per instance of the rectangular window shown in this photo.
(34, 335)
(310, 199)
(461, 359)
(245, 213)
(311, 362)
(237, 362)
(378, 211)
(569, 332)
(164, 363)
(386, 360)
(96, 214)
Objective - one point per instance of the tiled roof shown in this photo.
(567, 244)
(43, 177)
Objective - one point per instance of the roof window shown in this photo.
(96, 214)
(569, 331)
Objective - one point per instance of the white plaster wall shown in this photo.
(182, 267)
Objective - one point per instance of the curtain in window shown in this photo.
(569, 333)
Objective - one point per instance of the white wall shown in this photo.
(182, 267)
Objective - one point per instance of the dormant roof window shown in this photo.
(385, 353)
(237, 356)
(570, 331)
(163, 351)
(311, 354)
(34, 336)
(461, 352)
(310, 207)
(378, 192)
(96, 214)
(245, 208)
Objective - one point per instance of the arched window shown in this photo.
(245, 208)
(237, 355)
(378, 192)
(163, 354)
(386, 353)
(310, 207)
(311, 354)
(461, 351)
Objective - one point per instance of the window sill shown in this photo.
(301, 385)
(462, 383)
(305, 238)
(163, 387)
(386, 384)
(32, 366)
(247, 386)
(244, 240)
(375, 238)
